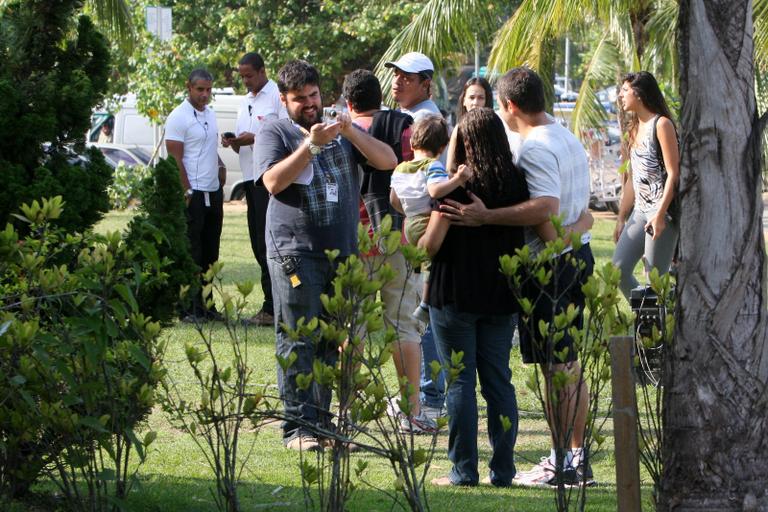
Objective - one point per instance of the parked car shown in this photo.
(129, 155)
(563, 96)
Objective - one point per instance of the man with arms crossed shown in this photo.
(557, 173)
(191, 137)
(312, 175)
(260, 104)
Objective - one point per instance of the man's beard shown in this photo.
(304, 122)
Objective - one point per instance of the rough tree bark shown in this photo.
(716, 398)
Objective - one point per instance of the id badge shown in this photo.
(332, 192)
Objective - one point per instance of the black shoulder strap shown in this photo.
(656, 143)
(674, 207)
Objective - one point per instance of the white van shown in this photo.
(131, 130)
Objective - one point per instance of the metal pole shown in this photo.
(567, 64)
(477, 56)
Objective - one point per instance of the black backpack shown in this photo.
(388, 127)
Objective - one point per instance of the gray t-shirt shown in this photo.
(420, 109)
(555, 165)
(304, 220)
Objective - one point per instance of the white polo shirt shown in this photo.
(200, 135)
(254, 110)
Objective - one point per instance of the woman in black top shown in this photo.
(471, 306)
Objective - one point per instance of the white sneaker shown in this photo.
(540, 475)
(417, 425)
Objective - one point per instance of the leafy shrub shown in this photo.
(554, 382)
(55, 68)
(229, 399)
(78, 360)
(126, 184)
(159, 231)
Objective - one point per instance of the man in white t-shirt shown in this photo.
(191, 137)
(260, 104)
(557, 173)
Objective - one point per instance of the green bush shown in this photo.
(126, 185)
(79, 362)
(160, 233)
(55, 68)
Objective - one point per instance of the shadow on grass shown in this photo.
(162, 493)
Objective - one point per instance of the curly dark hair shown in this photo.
(295, 75)
(362, 90)
(481, 144)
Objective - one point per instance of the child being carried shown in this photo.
(417, 182)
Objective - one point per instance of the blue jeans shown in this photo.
(432, 393)
(486, 341)
(304, 409)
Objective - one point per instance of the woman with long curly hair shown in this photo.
(651, 230)
(472, 309)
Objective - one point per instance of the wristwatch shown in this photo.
(189, 192)
(314, 149)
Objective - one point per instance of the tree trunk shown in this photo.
(716, 403)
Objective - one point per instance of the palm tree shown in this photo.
(635, 34)
(445, 30)
(113, 17)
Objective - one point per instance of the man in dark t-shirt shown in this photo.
(310, 170)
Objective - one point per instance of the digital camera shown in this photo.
(330, 115)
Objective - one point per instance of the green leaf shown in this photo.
(139, 355)
(150, 437)
(286, 362)
(92, 423)
(127, 296)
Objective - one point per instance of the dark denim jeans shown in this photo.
(486, 341)
(308, 408)
(432, 393)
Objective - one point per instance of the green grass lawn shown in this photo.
(176, 477)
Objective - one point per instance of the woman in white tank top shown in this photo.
(651, 230)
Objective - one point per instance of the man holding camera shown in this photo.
(191, 135)
(260, 104)
(312, 175)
